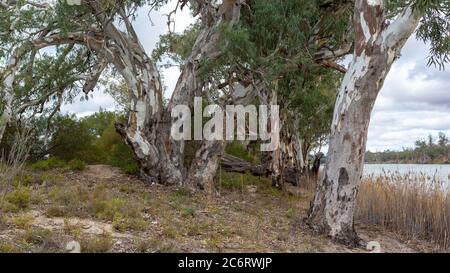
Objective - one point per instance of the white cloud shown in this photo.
(414, 102)
(98, 99)
(149, 26)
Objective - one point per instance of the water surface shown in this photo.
(441, 172)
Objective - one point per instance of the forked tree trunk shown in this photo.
(148, 130)
(376, 46)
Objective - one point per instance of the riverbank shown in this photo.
(108, 211)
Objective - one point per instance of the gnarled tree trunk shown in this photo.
(148, 129)
(376, 46)
(206, 162)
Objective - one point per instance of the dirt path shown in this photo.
(101, 172)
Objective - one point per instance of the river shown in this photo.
(442, 172)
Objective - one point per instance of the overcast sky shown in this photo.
(414, 102)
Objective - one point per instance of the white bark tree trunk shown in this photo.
(271, 161)
(148, 129)
(204, 167)
(292, 151)
(8, 91)
(376, 46)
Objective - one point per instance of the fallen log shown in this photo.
(235, 164)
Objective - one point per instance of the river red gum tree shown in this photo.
(378, 43)
(93, 25)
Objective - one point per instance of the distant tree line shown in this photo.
(91, 139)
(434, 150)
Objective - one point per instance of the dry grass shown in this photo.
(121, 214)
(13, 162)
(412, 205)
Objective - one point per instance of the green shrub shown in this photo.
(24, 179)
(8, 207)
(51, 179)
(238, 181)
(21, 197)
(23, 221)
(236, 149)
(56, 211)
(3, 222)
(107, 209)
(122, 223)
(115, 151)
(39, 236)
(6, 247)
(188, 212)
(123, 158)
(130, 168)
(51, 163)
(65, 201)
(98, 244)
(76, 165)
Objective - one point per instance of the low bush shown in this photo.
(236, 149)
(20, 198)
(23, 221)
(51, 163)
(97, 244)
(76, 165)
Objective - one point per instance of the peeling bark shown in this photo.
(205, 165)
(8, 90)
(376, 46)
(272, 161)
(148, 129)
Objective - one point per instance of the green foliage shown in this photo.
(22, 221)
(53, 162)
(57, 163)
(25, 179)
(174, 48)
(89, 140)
(97, 244)
(434, 29)
(76, 165)
(123, 223)
(117, 153)
(39, 236)
(72, 139)
(238, 181)
(98, 122)
(19, 198)
(236, 149)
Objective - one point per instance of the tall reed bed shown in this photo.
(413, 205)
